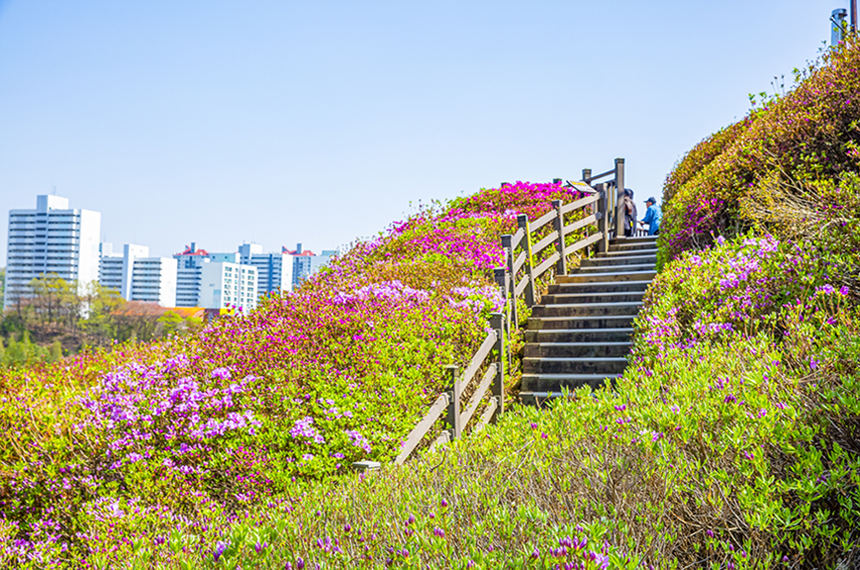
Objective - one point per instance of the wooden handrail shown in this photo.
(478, 359)
(541, 245)
(476, 398)
(546, 264)
(602, 202)
(583, 243)
(518, 263)
(424, 425)
(581, 203)
(542, 221)
(592, 219)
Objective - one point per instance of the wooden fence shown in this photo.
(598, 216)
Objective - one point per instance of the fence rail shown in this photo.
(601, 217)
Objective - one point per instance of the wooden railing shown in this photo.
(595, 223)
(448, 403)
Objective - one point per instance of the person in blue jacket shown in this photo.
(652, 217)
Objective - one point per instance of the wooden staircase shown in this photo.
(580, 334)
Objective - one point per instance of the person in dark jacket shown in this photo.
(629, 213)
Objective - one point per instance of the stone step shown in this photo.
(577, 349)
(579, 335)
(556, 323)
(620, 261)
(627, 252)
(596, 297)
(630, 247)
(615, 276)
(586, 365)
(596, 288)
(587, 309)
(601, 268)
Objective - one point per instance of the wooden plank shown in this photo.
(487, 415)
(539, 246)
(599, 176)
(516, 239)
(542, 221)
(518, 264)
(439, 407)
(444, 437)
(521, 286)
(581, 203)
(540, 269)
(592, 219)
(583, 243)
(476, 398)
(478, 359)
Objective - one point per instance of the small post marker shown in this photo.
(366, 465)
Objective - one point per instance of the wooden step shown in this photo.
(587, 309)
(636, 239)
(596, 288)
(613, 322)
(614, 276)
(579, 335)
(627, 253)
(556, 382)
(620, 261)
(630, 246)
(601, 268)
(577, 349)
(573, 365)
(597, 297)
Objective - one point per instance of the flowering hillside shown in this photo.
(196, 431)
(790, 165)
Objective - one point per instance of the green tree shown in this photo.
(56, 352)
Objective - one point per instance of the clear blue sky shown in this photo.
(279, 122)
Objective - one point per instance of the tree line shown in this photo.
(56, 319)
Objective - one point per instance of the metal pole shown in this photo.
(619, 203)
(853, 16)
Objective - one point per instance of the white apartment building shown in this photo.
(214, 280)
(51, 239)
(224, 284)
(137, 276)
(306, 263)
(274, 270)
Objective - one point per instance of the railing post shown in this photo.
(453, 419)
(511, 278)
(561, 266)
(523, 222)
(586, 174)
(603, 218)
(619, 202)
(497, 322)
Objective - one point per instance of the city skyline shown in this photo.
(278, 123)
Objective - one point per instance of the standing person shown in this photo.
(652, 216)
(629, 213)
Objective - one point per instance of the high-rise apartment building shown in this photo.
(214, 280)
(224, 284)
(306, 262)
(51, 239)
(274, 270)
(190, 264)
(137, 276)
